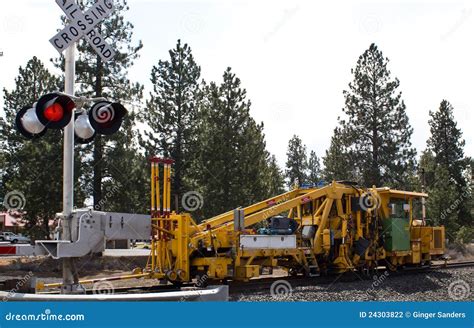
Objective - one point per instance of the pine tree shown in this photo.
(447, 145)
(109, 79)
(253, 167)
(126, 187)
(336, 163)
(442, 195)
(274, 178)
(296, 163)
(172, 113)
(314, 168)
(231, 160)
(376, 128)
(214, 167)
(472, 171)
(446, 142)
(428, 165)
(34, 167)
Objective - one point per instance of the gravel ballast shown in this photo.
(437, 285)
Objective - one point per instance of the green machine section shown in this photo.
(396, 234)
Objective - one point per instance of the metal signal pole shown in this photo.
(66, 39)
(69, 273)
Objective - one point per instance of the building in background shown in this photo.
(10, 223)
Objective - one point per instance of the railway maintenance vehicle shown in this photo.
(310, 230)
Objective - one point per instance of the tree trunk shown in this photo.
(98, 149)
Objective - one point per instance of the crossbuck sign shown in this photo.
(82, 24)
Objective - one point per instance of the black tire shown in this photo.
(14, 241)
(2, 239)
(177, 284)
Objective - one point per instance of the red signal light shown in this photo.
(54, 113)
(55, 110)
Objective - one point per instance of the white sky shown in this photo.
(293, 57)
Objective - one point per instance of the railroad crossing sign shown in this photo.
(82, 24)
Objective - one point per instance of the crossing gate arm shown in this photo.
(90, 230)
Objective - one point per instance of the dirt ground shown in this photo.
(49, 270)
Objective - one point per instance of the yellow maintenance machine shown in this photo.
(309, 230)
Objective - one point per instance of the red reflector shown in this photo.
(7, 250)
(305, 200)
(54, 113)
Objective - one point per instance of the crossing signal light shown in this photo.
(106, 117)
(55, 111)
(51, 111)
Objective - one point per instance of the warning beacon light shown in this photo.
(106, 117)
(51, 111)
(55, 111)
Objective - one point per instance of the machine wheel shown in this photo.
(225, 281)
(292, 272)
(2, 239)
(202, 279)
(367, 272)
(14, 241)
(390, 266)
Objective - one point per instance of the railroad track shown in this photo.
(453, 265)
(264, 284)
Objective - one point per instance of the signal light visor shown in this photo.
(28, 124)
(83, 129)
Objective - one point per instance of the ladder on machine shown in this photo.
(311, 264)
